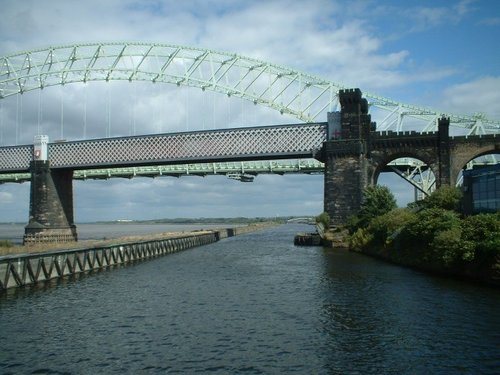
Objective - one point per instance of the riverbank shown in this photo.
(37, 248)
(41, 265)
(485, 270)
(431, 235)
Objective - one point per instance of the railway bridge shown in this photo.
(348, 144)
(353, 149)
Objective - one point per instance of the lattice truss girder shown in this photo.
(299, 166)
(284, 141)
(299, 94)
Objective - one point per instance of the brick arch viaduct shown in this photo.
(357, 154)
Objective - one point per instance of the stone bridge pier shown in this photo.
(355, 154)
(345, 156)
(51, 200)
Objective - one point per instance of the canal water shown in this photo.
(252, 304)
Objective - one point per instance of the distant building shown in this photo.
(481, 189)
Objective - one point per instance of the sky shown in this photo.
(440, 54)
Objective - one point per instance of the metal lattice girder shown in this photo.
(273, 142)
(15, 158)
(286, 90)
(300, 166)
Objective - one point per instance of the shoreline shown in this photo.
(479, 273)
(48, 263)
(83, 244)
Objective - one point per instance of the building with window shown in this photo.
(481, 189)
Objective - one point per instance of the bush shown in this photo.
(423, 234)
(360, 239)
(448, 248)
(324, 219)
(446, 198)
(385, 228)
(483, 230)
(352, 224)
(377, 200)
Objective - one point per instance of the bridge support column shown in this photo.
(345, 158)
(51, 204)
(444, 161)
(345, 181)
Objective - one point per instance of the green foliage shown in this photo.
(352, 224)
(448, 248)
(427, 223)
(324, 219)
(6, 243)
(483, 231)
(446, 197)
(360, 239)
(377, 201)
(386, 227)
(434, 235)
(430, 233)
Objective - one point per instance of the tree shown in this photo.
(434, 235)
(386, 227)
(483, 230)
(446, 197)
(377, 201)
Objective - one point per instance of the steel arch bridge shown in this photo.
(301, 95)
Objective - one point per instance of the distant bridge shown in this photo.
(302, 220)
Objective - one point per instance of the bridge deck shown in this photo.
(264, 143)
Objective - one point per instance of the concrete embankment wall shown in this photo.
(26, 269)
(230, 232)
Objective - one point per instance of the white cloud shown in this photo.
(424, 18)
(480, 95)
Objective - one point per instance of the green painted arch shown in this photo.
(301, 95)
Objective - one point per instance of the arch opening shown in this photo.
(483, 160)
(479, 181)
(409, 179)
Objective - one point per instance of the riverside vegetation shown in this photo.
(431, 234)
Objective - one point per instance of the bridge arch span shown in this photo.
(410, 158)
(283, 89)
(301, 95)
(467, 152)
(416, 169)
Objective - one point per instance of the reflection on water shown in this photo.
(253, 304)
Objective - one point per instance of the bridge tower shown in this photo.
(345, 157)
(354, 154)
(51, 200)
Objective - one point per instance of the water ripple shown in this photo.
(252, 304)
